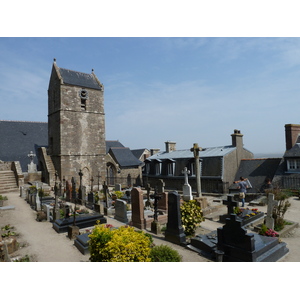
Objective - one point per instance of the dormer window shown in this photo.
(293, 165)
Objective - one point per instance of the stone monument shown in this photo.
(187, 190)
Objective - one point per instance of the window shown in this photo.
(293, 165)
(83, 104)
(157, 168)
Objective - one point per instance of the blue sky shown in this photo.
(185, 90)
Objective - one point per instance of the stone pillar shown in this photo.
(174, 232)
(137, 208)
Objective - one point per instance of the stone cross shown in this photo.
(230, 204)
(187, 190)
(196, 149)
(80, 185)
(31, 155)
(271, 204)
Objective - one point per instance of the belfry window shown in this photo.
(83, 94)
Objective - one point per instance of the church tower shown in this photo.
(76, 124)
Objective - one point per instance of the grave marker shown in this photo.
(137, 208)
(187, 190)
(271, 204)
(174, 232)
(121, 211)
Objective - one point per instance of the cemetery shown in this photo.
(237, 234)
(170, 212)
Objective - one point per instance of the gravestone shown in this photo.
(174, 232)
(186, 190)
(37, 202)
(163, 202)
(82, 243)
(271, 204)
(121, 211)
(68, 191)
(32, 166)
(74, 195)
(137, 208)
(82, 221)
(118, 187)
(231, 204)
(240, 246)
(160, 186)
(90, 202)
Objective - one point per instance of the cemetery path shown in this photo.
(43, 243)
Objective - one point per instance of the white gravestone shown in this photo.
(271, 204)
(187, 190)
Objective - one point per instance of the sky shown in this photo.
(160, 87)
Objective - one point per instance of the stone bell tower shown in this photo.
(76, 124)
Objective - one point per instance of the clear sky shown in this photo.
(183, 89)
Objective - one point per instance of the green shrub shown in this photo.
(118, 245)
(3, 197)
(263, 229)
(164, 253)
(191, 216)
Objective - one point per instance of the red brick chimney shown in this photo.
(292, 132)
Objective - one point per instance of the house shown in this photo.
(218, 165)
(122, 166)
(287, 175)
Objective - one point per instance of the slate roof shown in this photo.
(293, 152)
(79, 79)
(257, 170)
(138, 152)
(206, 152)
(18, 138)
(124, 157)
(111, 144)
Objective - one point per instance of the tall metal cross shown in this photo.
(196, 149)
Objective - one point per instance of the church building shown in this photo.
(76, 124)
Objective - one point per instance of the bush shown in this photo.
(191, 216)
(164, 253)
(119, 245)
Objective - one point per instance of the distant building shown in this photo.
(288, 173)
(122, 166)
(218, 166)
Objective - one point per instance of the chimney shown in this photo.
(237, 139)
(170, 146)
(292, 132)
(154, 151)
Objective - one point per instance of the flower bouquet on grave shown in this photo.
(272, 233)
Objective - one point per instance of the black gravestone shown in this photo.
(240, 246)
(82, 243)
(62, 225)
(174, 232)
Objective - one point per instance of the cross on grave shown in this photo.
(271, 204)
(80, 185)
(230, 204)
(98, 176)
(92, 184)
(187, 190)
(31, 156)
